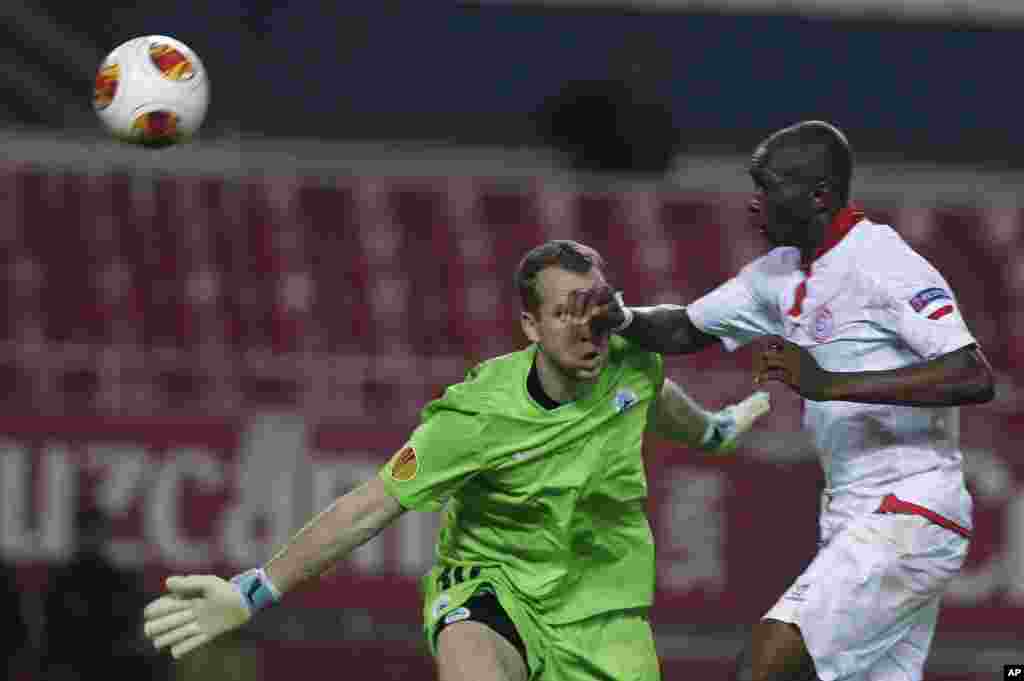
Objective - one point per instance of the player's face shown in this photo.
(782, 208)
(570, 349)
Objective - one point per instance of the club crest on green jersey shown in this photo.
(624, 399)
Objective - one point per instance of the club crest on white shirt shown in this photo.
(824, 324)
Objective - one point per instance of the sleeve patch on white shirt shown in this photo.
(930, 300)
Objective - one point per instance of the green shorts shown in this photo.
(611, 646)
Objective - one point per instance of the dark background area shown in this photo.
(492, 75)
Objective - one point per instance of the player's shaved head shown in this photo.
(809, 152)
(568, 255)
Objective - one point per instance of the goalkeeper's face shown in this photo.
(569, 348)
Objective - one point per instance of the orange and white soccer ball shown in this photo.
(152, 90)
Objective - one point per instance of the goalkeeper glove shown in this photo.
(726, 426)
(200, 608)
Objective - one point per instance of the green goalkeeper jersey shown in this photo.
(556, 499)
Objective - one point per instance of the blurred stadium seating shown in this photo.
(209, 344)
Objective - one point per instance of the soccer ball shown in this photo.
(152, 90)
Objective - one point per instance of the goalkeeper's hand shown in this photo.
(197, 609)
(730, 423)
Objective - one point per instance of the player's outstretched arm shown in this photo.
(665, 329)
(960, 377)
(676, 417)
(199, 608)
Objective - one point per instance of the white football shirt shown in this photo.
(868, 302)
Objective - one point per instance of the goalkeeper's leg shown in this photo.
(472, 651)
(476, 627)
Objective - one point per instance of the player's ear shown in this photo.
(529, 323)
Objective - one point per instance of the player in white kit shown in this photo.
(870, 334)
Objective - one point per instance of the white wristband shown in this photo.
(626, 312)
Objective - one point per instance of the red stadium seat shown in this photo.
(702, 242)
(428, 258)
(337, 265)
(957, 246)
(511, 223)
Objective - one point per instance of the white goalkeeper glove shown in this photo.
(199, 608)
(726, 426)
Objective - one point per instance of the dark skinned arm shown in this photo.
(960, 377)
(665, 329)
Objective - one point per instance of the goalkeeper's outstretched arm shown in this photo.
(676, 417)
(351, 521)
(198, 608)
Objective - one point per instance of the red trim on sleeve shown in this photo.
(893, 504)
(941, 312)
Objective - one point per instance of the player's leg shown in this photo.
(478, 629)
(472, 651)
(777, 652)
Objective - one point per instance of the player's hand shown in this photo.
(793, 365)
(596, 307)
(735, 420)
(197, 609)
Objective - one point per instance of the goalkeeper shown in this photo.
(545, 559)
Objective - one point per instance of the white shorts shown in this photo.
(868, 602)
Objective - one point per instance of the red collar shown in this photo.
(839, 227)
(834, 233)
